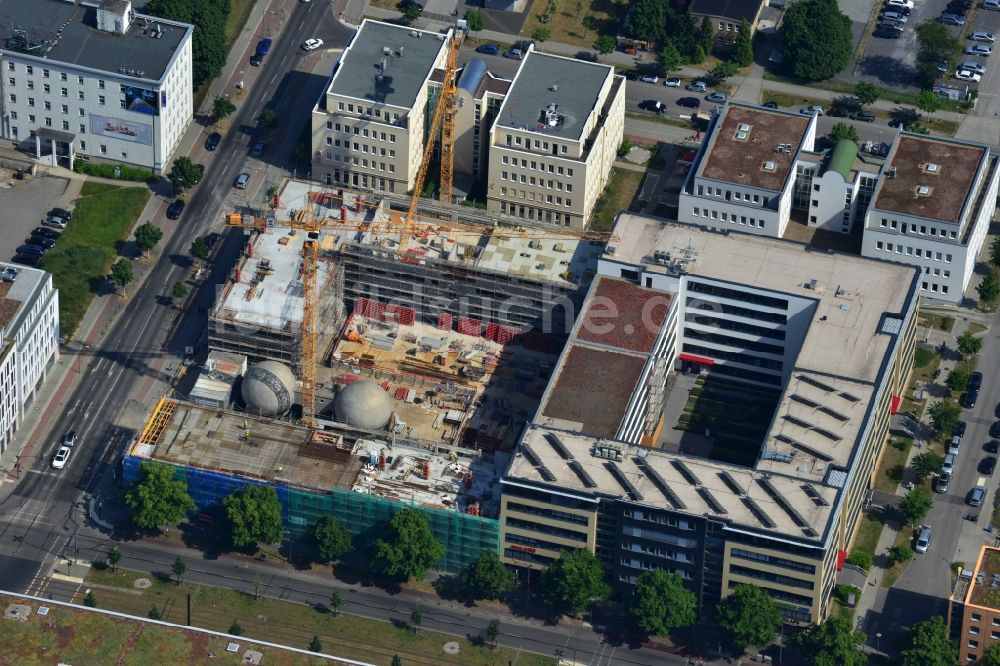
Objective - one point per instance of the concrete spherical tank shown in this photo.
(269, 389)
(363, 404)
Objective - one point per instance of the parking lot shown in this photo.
(24, 204)
(890, 62)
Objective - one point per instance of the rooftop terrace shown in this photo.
(984, 588)
(18, 286)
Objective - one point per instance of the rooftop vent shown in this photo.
(551, 117)
(554, 88)
(768, 166)
(892, 172)
(931, 167)
(742, 135)
(414, 33)
(922, 191)
(744, 127)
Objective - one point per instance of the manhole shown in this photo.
(451, 647)
(142, 583)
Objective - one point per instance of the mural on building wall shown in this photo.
(142, 100)
(125, 130)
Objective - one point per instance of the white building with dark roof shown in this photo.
(94, 80)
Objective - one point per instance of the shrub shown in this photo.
(125, 172)
(861, 559)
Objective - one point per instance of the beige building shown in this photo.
(555, 139)
(368, 128)
(978, 596)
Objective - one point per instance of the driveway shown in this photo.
(981, 124)
(24, 204)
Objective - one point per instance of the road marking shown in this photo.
(69, 579)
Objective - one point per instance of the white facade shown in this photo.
(29, 342)
(67, 102)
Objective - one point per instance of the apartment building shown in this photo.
(94, 81)
(29, 341)
(370, 126)
(555, 139)
(979, 606)
(932, 209)
(830, 335)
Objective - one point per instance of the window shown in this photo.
(10, 67)
(64, 92)
(48, 105)
(64, 108)
(81, 111)
(100, 100)
(29, 69)
(46, 88)
(973, 631)
(48, 121)
(79, 80)
(83, 130)
(80, 95)
(13, 98)
(104, 149)
(45, 73)
(65, 125)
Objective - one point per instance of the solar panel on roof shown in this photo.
(686, 472)
(557, 444)
(815, 382)
(711, 501)
(815, 453)
(530, 455)
(758, 512)
(623, 481)
(814, 495)
(660, 483)
(582, 474)
(730, 482)
(780, 500)
(805, 401)
(834, 413)
(546, 473)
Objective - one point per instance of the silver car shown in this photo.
(923, 539)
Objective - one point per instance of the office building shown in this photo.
(793, 360)
(979, 605)
(94, 81)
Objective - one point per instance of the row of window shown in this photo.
(359, 131)
(735, 357)
(731, 195)
(82, 144)
(30, 71)
(732, 218)
(538, 214)
(360, 180)
(101, 100)
(773, 560)
(648, 549)
(736, 294)
(367, 111)
(771, 577)
(735, 310)
(920, 253)
(361, 148)
(531, 196)
(539, 145)
(729, 341)
(656, 535)
(643, 565)
(362, 162)
(700, 317)
(536, 166)
(658, 518)
(974, 631)
(922, 230)
(541, 182)
(548, 513)
(542, 528)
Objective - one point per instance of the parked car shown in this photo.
(960, 428)
(70, 438)
(263, 46)
(770, 105)
(982, 36)
(864, 116)
(45, 232)
(968, 75)
(41, 241)
(976, 496)
(513, 54)
(976, 380)
(941, 483)
(814, 110)
(488, 49)
(717, 97)
(979, 50)
(923, 539)
(956, 444)
(970, 397)
(53, 221)
(689, 102)
(951, 19)
(838, 112)
(61, 212)
(26, 260)
(672, 82)
(973, 66)
(649, 78)
(895, 17)
(987, 465)
(888, 32)
(653, 106)
(29, 249)
(256, 59)
(312, 44)
(948, 466)
(696, 86)
(258, 149)
(241, 181)
(213, 140)
(991, 4)
(60, 458)
(899, 3)
(175, 209)
(995, 429)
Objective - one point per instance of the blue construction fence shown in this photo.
(464, 536)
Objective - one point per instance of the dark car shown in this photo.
(690, 102)
(47, 243)
(175, 209)
(631, 75)
(653, 106)
(213, 141)
(27, 259)
(995, 429)
(488, 49)
(256, 59)
(987, 465)
(960, 429)
(45, 232)
(976, 380)
(996, 411)
(586, 56)
(864, 116)
(838, 112)
(29, 249)
(991, 446)
(903, 123)
(970, 398)
(61, 212)
(887, 32)
(770, 105)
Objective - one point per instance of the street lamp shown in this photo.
(878, 638)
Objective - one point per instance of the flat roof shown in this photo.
(984, 589)
(72, 33)
(784, 505)
(621, 314)
(18, 287)
(409, 54)
(566, 260)
(742, 146)
(930, 177)
(572, 86)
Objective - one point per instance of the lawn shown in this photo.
(104, 215)
(892, 574)
(791, 101)
(294, 624)
(617, 196)
(869, 532)
(847, 89)
(654, 118)
(893, 463)
(974, 328)
(938, 322)
(567, 23)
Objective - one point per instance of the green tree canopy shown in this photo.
(315, 645)
(706, 35)
(995, 252)
(900, 553)
(928, 101)
(474, 20)
(989, 288)
(332, 540)
(991, 655)
(844, 131)
(336, 601)
(647, 19)
(927, 464)
(411, 13)
(749, 616)
(817, 38)
(121, 272)
(253, 515)
(865, 93)
(199, 248)
(184, 174)
(180, 289)
(667, 59)
(208, 42)
(605, 44)
(541, 34)
(147, 236)
(957, 379)
(969, 345)
(915, 505)
(492, 632)
(114, 557)
(222, 107)
(570, 583)
(722, 71)
(944, 418)
(935, 44)
(833, 643)
(660, 603)
(179, 567)
(267, 119)
(409, 548)
(487, 577)
(927, 644)
(743, 48)
(157, 497)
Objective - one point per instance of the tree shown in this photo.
(474, 20)
(991, 655)
(969, 345)
(409, 548)
(706, 35)
(570, 583)
(236, 629)
(121, 272)
(928, 101)
(179, 568)
(396, 661)
(817, 38)
(900, 553)
(604, 45)
(253, 514)
(865, 93)
(743, 48)
(157, 497)
(332, 540)
(416, 617)
(180, 289)
(90, 601)
(315, 645)
(957, 380)
(199, 248)
(590, 23)
(667, 59)
(927, 644)
(915, 505)
(487, 577)
(493, 633)
(722, 71)
(336, 601)
(697, 55)
(625, 147)
(844, 131)
(833, 643)
(749, 616)
(184, 174)
(927, 464)
(114, 557)
(995, 252)
(222, 107)
(411, 13)
(541, 34)
(989, 288)
(860, 558)
(944, 418)
(208, 41)
(154, 613)
(646, 20)
(147, 236)
(660, 603)
(267, 119)
(935, 45)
